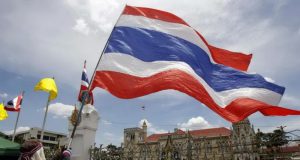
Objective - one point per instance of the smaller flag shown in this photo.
(47, 85)
(15, 104)
(3, 113)
(84, 87)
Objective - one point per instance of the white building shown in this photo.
(51, 139)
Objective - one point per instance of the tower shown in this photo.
(243, 141)
(144, 127)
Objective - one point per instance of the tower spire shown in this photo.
(145, 130)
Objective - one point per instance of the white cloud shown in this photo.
(151, 128)
(195, 123)
(108, 134)
(279, 4)
(269, 79)
(19, 129)
(106, 122)
(60, 110)
(82, 27)
(3, 95)
(100, 13)
(290, 101)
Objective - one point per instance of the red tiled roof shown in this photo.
(212, 132)
(290, 149)
(179, 131)
(285, 149)
(155, 137)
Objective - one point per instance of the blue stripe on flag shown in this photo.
(84, 77)
(10, 103)
(149, 45)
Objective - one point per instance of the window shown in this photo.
(132, 137)
(52, 138)
(46, 138)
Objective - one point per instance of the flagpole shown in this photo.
(13, 139)
(17, 121)
(86, 94)
(45, 117)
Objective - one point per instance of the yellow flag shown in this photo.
(47, 85)
(3, 113)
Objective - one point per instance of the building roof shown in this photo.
(133, 129)
(39, 129)
(8, 148)
(155, 137)
(212, 132)
(285, 149)
(290, 149)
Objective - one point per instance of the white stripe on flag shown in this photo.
(129, 65)
(175, 29)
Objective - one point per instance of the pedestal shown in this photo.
(84, 136)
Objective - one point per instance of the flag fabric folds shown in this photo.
(161, 21)
(84, 87)
(47, 85)
(151, 50)
(15, 104)
(3, 113)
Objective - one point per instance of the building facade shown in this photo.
(50, 139)
(221, 143)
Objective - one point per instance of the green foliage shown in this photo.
(272, 140)
(110, 152)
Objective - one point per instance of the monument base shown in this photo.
(85, 133)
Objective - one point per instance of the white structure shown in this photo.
(51, 139)
(84, 136)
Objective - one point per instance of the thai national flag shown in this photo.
(151, 50)
(15, 104)
(84, 87)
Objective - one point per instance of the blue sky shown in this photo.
(53, 38)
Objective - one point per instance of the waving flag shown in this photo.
(47, 85)
(151, 50)
(84, 87)
(15, 104)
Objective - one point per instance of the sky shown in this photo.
(52, 38)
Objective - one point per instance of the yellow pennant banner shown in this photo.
(3, 113)
(47, 85)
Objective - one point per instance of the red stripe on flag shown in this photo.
(232, 59)
(235, 60)
(12, 109)
(19, 102)
(128, 86)
(154, 14)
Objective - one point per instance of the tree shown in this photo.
(273, 140)
(113, 152)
